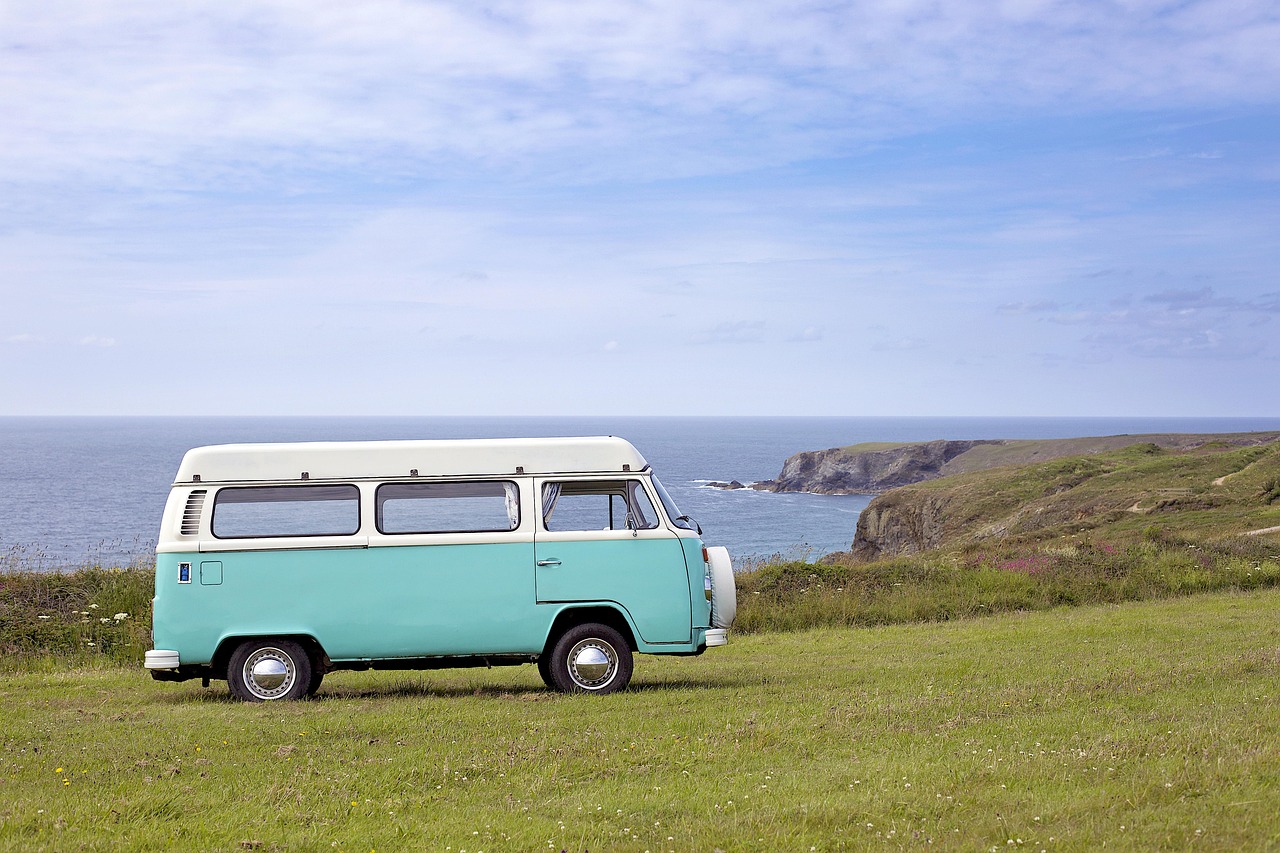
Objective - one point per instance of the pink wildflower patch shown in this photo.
(1031, 565)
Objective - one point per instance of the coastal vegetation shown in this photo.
(1138, 522)
(90, 616)
(957, 584)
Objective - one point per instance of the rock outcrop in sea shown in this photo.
(842, 471)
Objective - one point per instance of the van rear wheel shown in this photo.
(544, 669)
(265, 670)
(590, 658)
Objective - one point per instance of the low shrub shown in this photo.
(940, 586)
(91, 613)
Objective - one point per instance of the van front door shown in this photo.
(602, 541)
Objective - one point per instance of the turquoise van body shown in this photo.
(277, 563)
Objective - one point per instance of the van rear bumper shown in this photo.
(166, 665)
(717, 637)
(162, 659)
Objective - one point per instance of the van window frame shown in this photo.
(583, 487)
(505, 483)
(217, 500)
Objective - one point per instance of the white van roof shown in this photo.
(358, 460)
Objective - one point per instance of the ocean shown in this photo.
(83, 490)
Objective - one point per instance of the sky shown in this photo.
(395, 207)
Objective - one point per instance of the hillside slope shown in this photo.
(1210, 490)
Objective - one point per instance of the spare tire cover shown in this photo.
(724, 590)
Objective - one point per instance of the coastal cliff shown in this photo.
(1224, 484)
(899, 523)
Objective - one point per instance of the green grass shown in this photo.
(873, 446)
(1141, 726)
(999, 577)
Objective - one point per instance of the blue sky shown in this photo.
(891, 208)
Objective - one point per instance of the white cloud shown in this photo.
(1039, 306)
(1184, 344)
(25, 338)
(733, 332)
(1173, 323)
(904, 344)
(217, 93)
(809, 334)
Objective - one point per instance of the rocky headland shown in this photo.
(1224, 483)
(1012, 487)
(874, 468)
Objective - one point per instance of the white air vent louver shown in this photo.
(191, 515)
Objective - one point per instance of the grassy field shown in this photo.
(1149, 725)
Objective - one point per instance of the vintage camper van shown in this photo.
(277, 563)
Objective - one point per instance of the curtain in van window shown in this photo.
(550, 494)
(513, 504)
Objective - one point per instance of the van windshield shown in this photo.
(673, 512)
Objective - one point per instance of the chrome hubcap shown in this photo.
(269, 673)
(592, 664)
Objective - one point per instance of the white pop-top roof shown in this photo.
(356, 460)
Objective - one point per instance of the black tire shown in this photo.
(265, 670)
(544, 669)
(317, 676)
(590, 658)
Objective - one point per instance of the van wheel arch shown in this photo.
(320, 663)
(575, 616)
(590, 658)
(605, 622)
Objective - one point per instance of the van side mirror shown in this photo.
(695, 524)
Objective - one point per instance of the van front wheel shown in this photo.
(590, 658)
(264, 670)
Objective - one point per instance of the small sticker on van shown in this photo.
(184, 573)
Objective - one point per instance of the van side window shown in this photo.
(254, 512)
(603, 505)
(477, 507)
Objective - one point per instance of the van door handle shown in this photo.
(548, 562)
